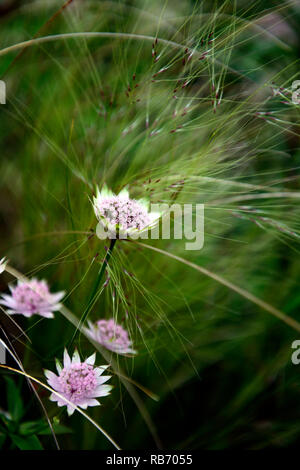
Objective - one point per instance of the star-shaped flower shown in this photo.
(111, 336)
(122, 216)
(32, 298)
(80, 383)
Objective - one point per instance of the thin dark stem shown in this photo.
(100, 275)
(93, 295)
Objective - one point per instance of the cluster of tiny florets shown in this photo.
(77, 381)
(31, 296)
(111, 332)
(112, 336)
(124, 212)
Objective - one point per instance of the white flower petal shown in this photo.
(102, 379)
(26, 314)
(99, 370)
(92, 402)
(55, 298)
(83, 405)
(71, 410)
(52, 379)
(8, 301)
(45, 314)
(124, 194)
(76, 357)
(67, 359)
(105, 192)
(49, 374)
(53, 397)
(101, 391)
(91, 360)
(60, 401)
(58, 366)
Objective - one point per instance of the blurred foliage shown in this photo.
(209, 120)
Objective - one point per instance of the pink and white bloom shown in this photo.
(32, 298)
(80, 383)
(3, 263)
(111, 336)
(122, 216)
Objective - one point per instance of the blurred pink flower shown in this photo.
(78, 382)
(32, 298)
(111, 335)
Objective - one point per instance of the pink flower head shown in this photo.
(80, 383)
(32, 298)
(122, 215)
(111, 335)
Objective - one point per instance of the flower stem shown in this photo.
(100, 274)
(93, 296)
